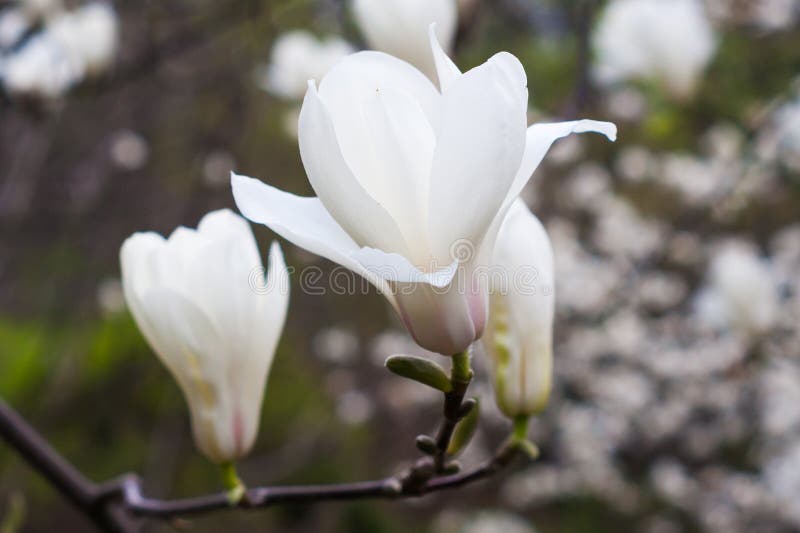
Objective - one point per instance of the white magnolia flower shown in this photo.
(41, 67)
(88, 35)
(774, 15)
(779, 139)
(193, 297)
(412, 182)
(71, 46)
(400, 28)
(297, 57)
(670, 41)
(13, 25)
(741, 291)
(519, 335)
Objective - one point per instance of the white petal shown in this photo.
(140, 273)
(522, 313)
(402, 143)
(358, 75)
(395, 267)
(446, 70)
(189, 345)
(399, 27)
(479, 150)
(540, 138)
(302, 221)
(358, 213)
(269, 306)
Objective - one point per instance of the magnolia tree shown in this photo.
(417, 167)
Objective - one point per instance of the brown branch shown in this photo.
(80, 491)
(128, 491)
(582, 95)
(120, 506)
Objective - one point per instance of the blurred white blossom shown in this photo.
(669, 41)
(110, 298)
(13, 25)
(336, 344)
(354, 407)
(71, 46)
(297, 57)
(217, 166)
(400, 28)
(779, 140)
(741, 292)
(129, 150)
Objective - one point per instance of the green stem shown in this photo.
(461, 371)
(520, 429)
(233, 485)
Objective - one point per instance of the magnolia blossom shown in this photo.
(519, 334)
(400, 28)
(88, 36)
(670, 41)
(741, 293)
(201, 300)
(13, 25)
(40, 67)
(779, 139)
(71, 46)
(297, 57)
(412, 182)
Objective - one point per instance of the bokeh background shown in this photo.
(674, 410)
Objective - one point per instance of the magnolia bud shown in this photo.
(194, 299)
(520, 332)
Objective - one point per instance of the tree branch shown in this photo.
(119, 505)
(582, 95)
(76, 488)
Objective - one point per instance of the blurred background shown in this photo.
(677, 360)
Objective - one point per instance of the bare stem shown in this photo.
(425, 469)
(119, 505)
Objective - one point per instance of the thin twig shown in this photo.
(79, 490)
(583, 89)
(119, 505)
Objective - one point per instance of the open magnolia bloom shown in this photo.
(519, 335)
(201, 300)
(412, 182)
(400, 28)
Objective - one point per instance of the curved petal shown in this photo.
(446, 70)
(539, 139)
(189, 344)
(520, 335)
(396, 268)
(303, 221)
(402, 143)
(384, 113)
(447, 319)
(399, 27)
(357, 75)
(265, 325)
(480, 146)
(356, 211)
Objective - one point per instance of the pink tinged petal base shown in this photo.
(439, 320)
(444, 310)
